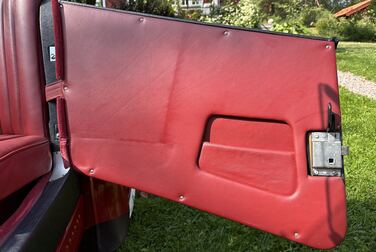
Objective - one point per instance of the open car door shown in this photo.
(240, 123)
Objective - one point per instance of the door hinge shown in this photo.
(326, 154)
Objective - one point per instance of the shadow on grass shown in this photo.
(161, 225)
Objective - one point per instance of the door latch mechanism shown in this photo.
(326, 154)
(326, 151)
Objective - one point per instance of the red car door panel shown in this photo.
(213, 117)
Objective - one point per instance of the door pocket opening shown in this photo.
(257, 153)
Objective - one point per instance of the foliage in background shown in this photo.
(157, 7)
(243, 13)
(313, 17)
(316, 17)
(361, 30)
(293, 27)
(278, 7)
(290, 16)
(280, 10)
(90, 2)
(310, 16)
(351, 29)
(298, 17)
(281, 15)
(371, 12)
(328, 25)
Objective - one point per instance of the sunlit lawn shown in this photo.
(357, 58)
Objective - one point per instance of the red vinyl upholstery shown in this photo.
(24, 148)
(22, 159)
(212, 117)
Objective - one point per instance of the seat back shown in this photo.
(21, 82)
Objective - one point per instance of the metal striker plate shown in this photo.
(326, 154)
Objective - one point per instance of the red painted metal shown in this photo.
(71, 239)
(141, 95)
(99, 202)
(104, 201)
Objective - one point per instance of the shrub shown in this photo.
(244, 13)
(362, 30)
(328, 26)
(282, 9)
(353, 29)
(371, 12)
(289, 27)
(310, 16)
(193, 14)
(157, 7)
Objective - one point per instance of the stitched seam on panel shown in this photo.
(8, 61)
(23, 148)
(6, 95)
(250, 150)
(42, 81)
(9, 137)
(122, 140)
(15, 70)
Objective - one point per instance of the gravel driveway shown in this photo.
(357, 84)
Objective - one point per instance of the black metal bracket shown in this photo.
(331, 119)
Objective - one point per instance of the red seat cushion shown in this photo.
(22, 159)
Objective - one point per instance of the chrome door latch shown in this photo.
(326, 154)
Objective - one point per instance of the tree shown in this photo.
(371, 12)
(90, 2)
(283, 9)
(157, 7)
(243, 13)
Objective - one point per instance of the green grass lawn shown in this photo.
(357, 58)
(161, 225)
